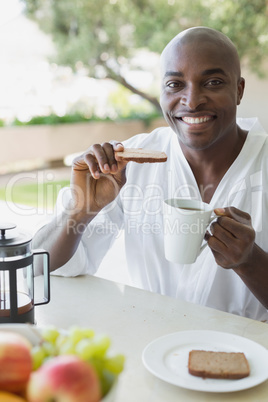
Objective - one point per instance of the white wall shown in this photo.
(255, 100)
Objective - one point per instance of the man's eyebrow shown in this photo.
(214, 71)
(176, 73)
(209, 71)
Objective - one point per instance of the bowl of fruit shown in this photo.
(45, 364)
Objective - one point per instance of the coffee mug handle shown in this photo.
(205, 244)
(212, 218)
(202, 248)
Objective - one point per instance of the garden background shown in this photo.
(75, 72)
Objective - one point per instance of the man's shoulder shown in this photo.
(251, 124)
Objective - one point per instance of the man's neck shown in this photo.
(210, 165)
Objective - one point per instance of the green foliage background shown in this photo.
(42, 195)
(103, 36)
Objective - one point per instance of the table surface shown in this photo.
(133, 318)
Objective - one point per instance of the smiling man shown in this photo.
(211, 157)
(201, 88)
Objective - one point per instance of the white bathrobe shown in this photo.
(138, 210)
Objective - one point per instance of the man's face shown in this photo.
(200, 91)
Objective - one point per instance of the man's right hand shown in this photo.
(97, 177)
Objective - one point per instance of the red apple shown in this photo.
(15, 361)
(64, 378)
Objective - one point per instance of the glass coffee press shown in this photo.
(17, 298)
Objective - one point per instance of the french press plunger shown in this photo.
(17, 299)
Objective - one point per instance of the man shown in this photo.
(210, 157)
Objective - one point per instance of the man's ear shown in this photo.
(240, 89)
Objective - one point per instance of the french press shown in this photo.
(17, 298)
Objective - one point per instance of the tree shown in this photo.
(104, 35)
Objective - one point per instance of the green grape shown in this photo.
(101, 345)
(61, 339)
(50, 334)
(49, 348)
(88, 333)
(85, 349)
(76, 334)
(38, 356)
(67, 348)
(115, 364)
(107, 380)
(96, 347)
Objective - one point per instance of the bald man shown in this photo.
(211, 157)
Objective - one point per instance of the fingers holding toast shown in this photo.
(108, 157)
(99, 173)
(99, 158)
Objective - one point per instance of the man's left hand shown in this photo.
(232, 237)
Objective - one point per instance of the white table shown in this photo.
(133, 318)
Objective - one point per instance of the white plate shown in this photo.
(167, 359)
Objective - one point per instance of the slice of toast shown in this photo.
(209, 364)
(140, 155)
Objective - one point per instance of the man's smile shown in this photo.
(196, 120)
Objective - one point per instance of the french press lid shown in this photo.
(13, 243)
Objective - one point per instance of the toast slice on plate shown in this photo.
(208, 364)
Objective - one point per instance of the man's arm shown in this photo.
(233, 246)
(60, 238)
(96, 180)
(254, 274)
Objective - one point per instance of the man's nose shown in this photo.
(192, 97)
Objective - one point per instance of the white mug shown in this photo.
(185, 225)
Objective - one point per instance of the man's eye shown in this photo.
(173, 84)
(212, 83)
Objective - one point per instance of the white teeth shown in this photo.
(196, 120)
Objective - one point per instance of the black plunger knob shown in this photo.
(6, 226)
